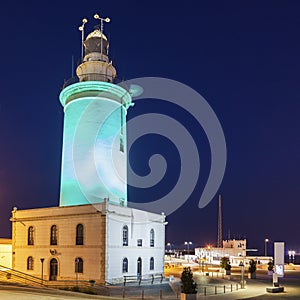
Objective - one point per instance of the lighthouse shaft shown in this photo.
(94, 160)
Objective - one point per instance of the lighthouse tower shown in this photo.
(94, 139)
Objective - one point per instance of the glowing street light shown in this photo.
(188, 247)
(169, 245)
(242, 265)
(266, 247)
(291, 255)
(209, 247)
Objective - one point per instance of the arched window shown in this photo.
(79, 234)
(125, 235)
(53, 235)
(30, 236)
(30, 263)
(151, 263)
(152, 237)
(78, 265)
(125, 265)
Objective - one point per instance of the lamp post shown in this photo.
(209, 251)
(42, 261)
(188, 249)
(242, 272)
(266, 247)
(169, 245)
(291, 256)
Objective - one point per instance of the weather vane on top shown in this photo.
(97, 17)
(81, 28)
(107, 20)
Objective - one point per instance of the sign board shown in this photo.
(279, 258)
(279, 270)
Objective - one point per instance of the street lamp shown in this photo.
(266, 247)
(188, 247)
(169, 245)
(292, 255)
(42, 261)
(209, 248)
(242, 273)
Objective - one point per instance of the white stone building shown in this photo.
(235, 250)
(102, 242)
(231, 248)
(5, 253)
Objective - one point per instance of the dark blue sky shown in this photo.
(242, 56)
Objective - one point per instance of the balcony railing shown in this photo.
(95, 77)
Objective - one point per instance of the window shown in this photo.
(151, 263)
(78, 265)
(121, 144)
(53, 235)
(30, 236)
(125, 265)
(152, 237)
(125, 235)
(30, 263)
(140, 242)
(79, 234)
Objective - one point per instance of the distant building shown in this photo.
(5, 253)
(231, 248)
(235, 250)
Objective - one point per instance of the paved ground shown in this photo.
(10, 292)
(255, 290)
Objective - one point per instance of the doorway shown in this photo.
(139, 268)
(53, 269)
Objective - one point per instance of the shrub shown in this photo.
(224, 264)
(252, 266)
(188, 285)
(270, 265)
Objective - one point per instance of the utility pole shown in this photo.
(220, 238)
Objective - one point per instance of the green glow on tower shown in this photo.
(94, 160)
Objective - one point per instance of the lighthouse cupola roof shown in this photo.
(95, 65)
(96, 42)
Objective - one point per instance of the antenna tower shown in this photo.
(220, 238)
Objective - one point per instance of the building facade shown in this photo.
(5, 253)
(102, 242)
(234, 249)
(231, 248)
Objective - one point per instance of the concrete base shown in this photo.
(188, 296)
(279, 289)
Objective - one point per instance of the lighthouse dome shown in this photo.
(97, 42)
(96, 34)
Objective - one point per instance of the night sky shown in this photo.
(243, 57)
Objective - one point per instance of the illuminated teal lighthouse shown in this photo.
(94, 141)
